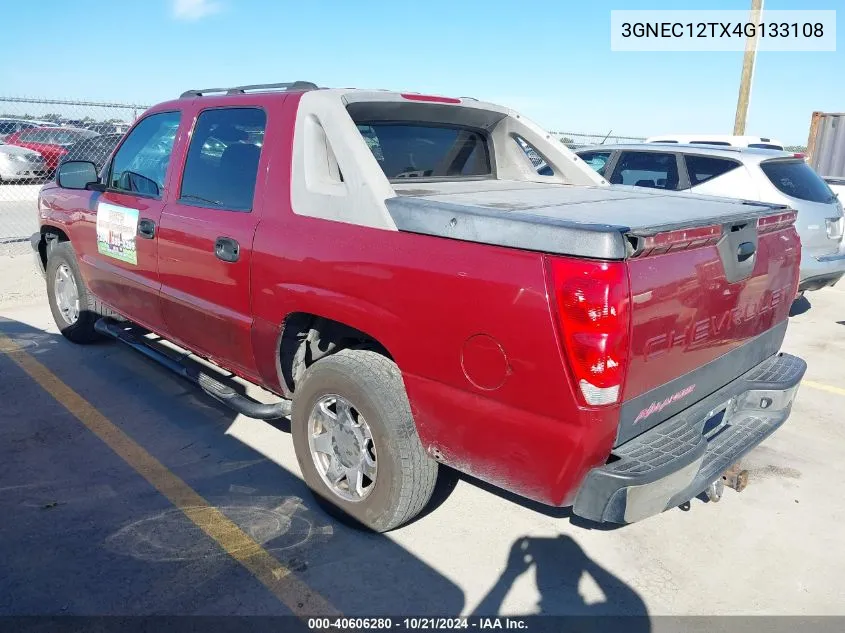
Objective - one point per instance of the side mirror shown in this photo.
(76, 174)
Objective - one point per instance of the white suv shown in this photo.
(759, 175)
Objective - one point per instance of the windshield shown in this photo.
(417, 150)
(797, 179)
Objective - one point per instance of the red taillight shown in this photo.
(775, 222)
(798, 156)
(677, 240)
(592, 300)
(410, 96)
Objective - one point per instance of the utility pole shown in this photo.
(748, 69)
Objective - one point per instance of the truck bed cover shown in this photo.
(561, 219)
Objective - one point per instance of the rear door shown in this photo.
(206, 235)
(819, 220)
(120, 251)
(720, 176)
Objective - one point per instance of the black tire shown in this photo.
(373, 385)
(82, 331)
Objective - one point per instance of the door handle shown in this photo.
(146, 228)
(227, 249)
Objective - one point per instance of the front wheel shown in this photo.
(70, 302)
(356, 442)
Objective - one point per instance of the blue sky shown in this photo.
(550, 60)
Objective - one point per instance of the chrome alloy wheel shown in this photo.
(342, 448)
(66, 294)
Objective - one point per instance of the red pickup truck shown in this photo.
(398, 270)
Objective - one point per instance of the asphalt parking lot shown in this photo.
(126, 491)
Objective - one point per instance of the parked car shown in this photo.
(51, 142)
(749, 174)
(725, 140)
(19, 163)
(108, 128)
(10, 126)
(424, 296)
(96, 149)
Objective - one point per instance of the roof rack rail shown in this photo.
(239, 90)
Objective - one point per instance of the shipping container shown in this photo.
(826, 145)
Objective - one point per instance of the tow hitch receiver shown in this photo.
(734, 477)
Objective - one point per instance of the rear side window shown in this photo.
(703, 168)
(222, 163)
(140, 165)
(797, 179)
(413, 150)
(597, 160)
(646, 169)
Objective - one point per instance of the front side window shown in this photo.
(646, 169)
(222, 164)
(703, 168)
(797, 179)
(140, 165)
(416, 150)
(598, 160)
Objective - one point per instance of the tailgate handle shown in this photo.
(745, 250)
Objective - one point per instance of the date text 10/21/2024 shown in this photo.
(414, 624)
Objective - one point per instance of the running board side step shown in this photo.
(214, 388)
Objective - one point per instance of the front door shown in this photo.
(121, 261)
(205, 237)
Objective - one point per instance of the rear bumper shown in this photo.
(678, 459)
(820, 272)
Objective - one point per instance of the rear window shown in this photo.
(703, 168)
(413, 150)
(720, 143)
(797, 179)
(765, 146)
(35, 136)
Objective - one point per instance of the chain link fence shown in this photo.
(577, 140)
(36, 135)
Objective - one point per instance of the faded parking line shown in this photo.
(823, 387)
(290, 590)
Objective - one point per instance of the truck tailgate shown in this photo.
(698, 323)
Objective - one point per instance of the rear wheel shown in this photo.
(356, 442)
(73, 307)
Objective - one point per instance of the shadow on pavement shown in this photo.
(562, 571)
(91, 536)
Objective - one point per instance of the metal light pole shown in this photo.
(748, 69)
